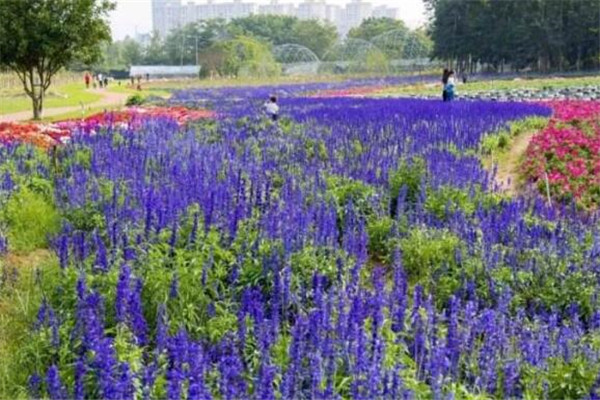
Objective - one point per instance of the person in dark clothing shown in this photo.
(445, 76)
(449, 87)
(106, 81)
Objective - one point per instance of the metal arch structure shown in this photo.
(291, 53)
(296, 59)
(355, 56)
(400, 44)
(351, 50)
(392, 43)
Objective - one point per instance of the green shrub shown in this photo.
(449, 198)
(134, 100)
(410, 174)
(426, 250)
(380, 242)
(30, 219)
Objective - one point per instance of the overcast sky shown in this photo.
(136, 15)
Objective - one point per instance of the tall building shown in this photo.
(171, 14)
(312, 9)
(277, 8)
(355, 12)
(385, 12)
(166, 15)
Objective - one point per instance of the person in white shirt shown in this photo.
(272, 109)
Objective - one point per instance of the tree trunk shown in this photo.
(37, 103)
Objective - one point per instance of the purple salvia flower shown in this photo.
(78, 386)
(54, 385)
(136, 314)
(123, 293)
(34, 386)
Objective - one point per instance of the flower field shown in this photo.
(566, 154)
(355, 250)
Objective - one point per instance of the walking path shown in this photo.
(507, 174)
(108, 99)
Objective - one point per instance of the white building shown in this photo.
(312, 9)
(385, 12)
(277, 8)
(355, 12)
(171, 14)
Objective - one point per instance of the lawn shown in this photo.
(493, 84)
(72, 94)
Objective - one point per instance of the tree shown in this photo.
(275, 29)
(538, 34)
(182, 45)
(243, 56)
(44, 36)
(155, 54)
(131, 52)
(316, 35)
(372, 27)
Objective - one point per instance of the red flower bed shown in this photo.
(567, 153)
(35, 134)
(181, 115)
(46, 136)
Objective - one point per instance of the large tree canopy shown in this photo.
(539, 34)
(317, 35)
(39, 37)
(372, 27)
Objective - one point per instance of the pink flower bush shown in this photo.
(567, 153)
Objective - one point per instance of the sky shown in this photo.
(133, 16)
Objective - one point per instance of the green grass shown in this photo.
(480, 86)
(19, 302)
(87, 111)
(57, 96)
(158, 88)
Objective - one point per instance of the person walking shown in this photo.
(106, 81)
(450, 86)
(87, 78)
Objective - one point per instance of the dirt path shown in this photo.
(507, 173)
(109, 99)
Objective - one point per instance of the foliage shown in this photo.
(245, 56)
(45, 36)
(135, 100)
(316, 35)
(372, 27)
(500, 141)
(31, 218)
(541, 34)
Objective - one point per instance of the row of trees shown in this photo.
(207, 39)
(543, 35)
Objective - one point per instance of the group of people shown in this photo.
(99, 80)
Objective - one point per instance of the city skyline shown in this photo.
(172, 14)
(135, 16)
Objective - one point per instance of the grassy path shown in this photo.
(508, 163)
(107, 99)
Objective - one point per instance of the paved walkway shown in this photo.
(109, 99)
